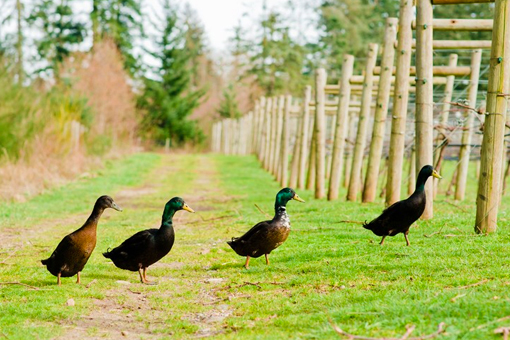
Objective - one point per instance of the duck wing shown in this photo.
(128, 253)
(242, 245)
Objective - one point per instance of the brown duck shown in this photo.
(266, 236)
(74, 250)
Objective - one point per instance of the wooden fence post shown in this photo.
(294, 169)
(351, 136)
(272, 143)
(267, 131)
(424, 100)
(364, 115)
(278, 141)
(465, 149)
(344, 98)
(284, 168)
(411, 181)
(381, 111)
(320, 132)
(305, 120)
(400, 101)
(260, 129)
(498, 89)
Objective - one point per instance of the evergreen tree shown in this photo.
(228, 105)
(168, 98)
(61, 32)
(276, 59)
(120, 20)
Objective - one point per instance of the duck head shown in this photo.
(106, 201)
(175, 204)
(424, 174)
(285, 195)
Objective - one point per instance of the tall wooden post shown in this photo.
(320, 132)
(261, 127)
(491, 167)
(254, 127)
(284, 168)
(381, 111)
(342, 116)
(400, 101)
(361, 137)
(411, 181)
(348, 156)
(305, 122)
(277, 151)
(274, 127)
(445, 114)
(294, 168)
(20, 71)
(465, 149)
(267, 131)
(424, 100)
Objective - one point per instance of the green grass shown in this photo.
(326, 269)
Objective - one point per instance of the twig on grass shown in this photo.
(503, 330)
(479, 283)
(489, 323)
(349, 221)
(21, 284)
(91, 283)
(436, 232)
(3, 334)
(455, 298)
(456, 206)
(262, 211)
(409, 329)
(8, 257)
(209, 219)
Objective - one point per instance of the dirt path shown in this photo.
(125, 312)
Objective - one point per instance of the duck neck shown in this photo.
(280, 207)
(94, 217)
(167, 219)
(420, 182)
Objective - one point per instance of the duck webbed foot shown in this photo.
(246, 264)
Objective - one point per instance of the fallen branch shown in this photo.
(8, 257)
(21, 284)
(349, 221)
(479, 283)
(409, 329)
(503, 330)
(456, 206)
(91, 283)
(262, 211)
(479, 111)
(490, 323)
(434, 233)
(210, 219)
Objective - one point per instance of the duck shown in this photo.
(399, 217)
(148, 246)
(266, 236)
(73, 252)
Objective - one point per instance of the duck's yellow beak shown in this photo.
(297, 198)
(187, 208)
(116, 207)
(436, 175)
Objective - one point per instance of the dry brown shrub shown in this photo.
(53, 157)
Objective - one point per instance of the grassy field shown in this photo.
(327, 269)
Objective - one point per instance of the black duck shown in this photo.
(148, 246)
(266, 236)
(398, 217)
(74, 250)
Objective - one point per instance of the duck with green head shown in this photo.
(148, 246)
(266, 236)
(398, 217)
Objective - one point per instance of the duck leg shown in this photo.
(247, 262)
(382, 241)
(407, 240)
(147, 282)
(267, 259)
(78, 280)
(58, 279)
(141, 275)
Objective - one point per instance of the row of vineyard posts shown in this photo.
(289, 135)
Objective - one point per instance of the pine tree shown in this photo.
(228, 105)
(120, 20)
(168, 98)
(61, 32)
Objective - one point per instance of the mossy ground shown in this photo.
(326, 269)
